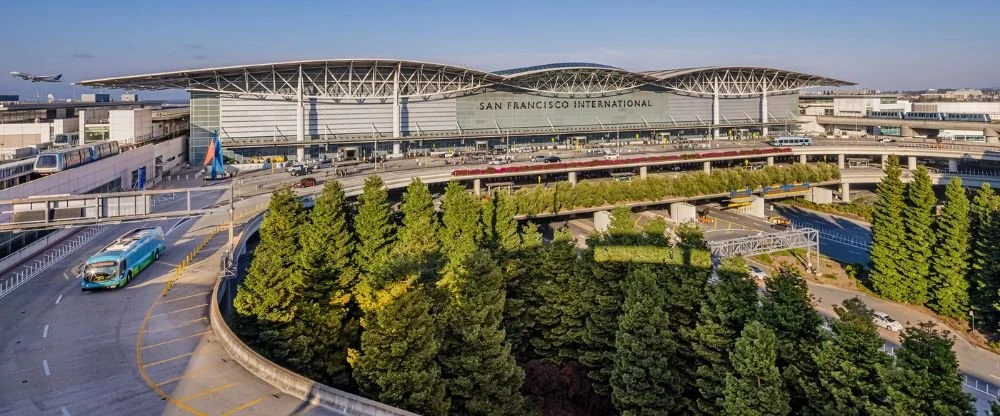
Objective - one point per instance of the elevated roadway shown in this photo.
(989, 129)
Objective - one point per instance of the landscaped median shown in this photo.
(564, 196)
(619, 162)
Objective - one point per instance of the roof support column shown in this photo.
(300, 121)
(763, 112)
(396, 115)
(715, 107)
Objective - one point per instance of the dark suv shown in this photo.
(553, 159)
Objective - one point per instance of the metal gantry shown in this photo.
(806, 238)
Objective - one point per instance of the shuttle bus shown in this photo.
(791, 141)
(118, 263)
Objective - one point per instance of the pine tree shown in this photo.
(269, 293)
(461, 232)
(560, 319)
(373, 227)
(621, 221)
(851, 366)
(524, 282)
(480, 373)
(926, 380)
(398, 364)
(505, 225)
(642, 381)
(754, 387)
(656, 229)
(326, 325)
(730, 303)
(418, 237)
(604, 287)
(787, 310)
(985, 273)
(918, 217)
(888, 248)
(951, 260)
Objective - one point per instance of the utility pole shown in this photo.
(232, 189)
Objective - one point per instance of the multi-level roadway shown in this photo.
(145, 349)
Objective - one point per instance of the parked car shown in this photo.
(539, 158)
(499, 161)
(883, 320)
(757, 273)
(552, 159)
(305, 183)
(611, 156)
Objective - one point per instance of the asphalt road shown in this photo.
(841, 239)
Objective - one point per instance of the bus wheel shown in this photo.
(128, 277)
(156, 254)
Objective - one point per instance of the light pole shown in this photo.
(232, 188)
(973, 315)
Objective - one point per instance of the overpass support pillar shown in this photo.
(803, 160)
(884, 159)
(572, 178)
(763, 111)
(911, 162)
(477, 186)
(643, 172)
(906, 131)
(840, 161)
(770, 160)
(707, 166)
(397, 149)
(300, 121)
(845, 192)
(952, 165)
(992, 137)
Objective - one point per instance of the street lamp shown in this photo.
(973, 315)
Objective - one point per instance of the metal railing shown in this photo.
(980, 386)
(837, 237)
(43, 262)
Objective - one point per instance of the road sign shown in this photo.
(141, 183)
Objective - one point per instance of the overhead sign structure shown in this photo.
(54, 210)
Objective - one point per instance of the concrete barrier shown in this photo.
(283, 379)
(16, 258)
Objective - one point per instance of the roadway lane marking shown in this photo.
(45, 332)
(991, 375)
(45, 365)
(177, 339)
(179, 310)
(243, 406)
(179, 326)
(58, 299)
(64, 411)
(174, 227)
(183, 376)
(186, 297)
(207, 392)
(167, 360)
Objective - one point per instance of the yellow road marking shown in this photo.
(188, 296)
(177, 339)
(178, 326)
(207, 392)
(179, 310)
(167, 360)
(243, 406)
(183, 376)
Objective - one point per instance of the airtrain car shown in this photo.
(55, 161)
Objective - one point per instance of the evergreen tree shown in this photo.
(951, 259)
(326, 325)
(560, 318)
(480, 373)
(730, 303)
(926, 380)
(787, 310)
(754, 387)
(642, 381)
(656, 229)
(505, 225)
(621, 221)
(850, 366)
(461, 232)
(525, 279)
(690, 236)
(373, 227)
(418, 237)
(604, 285)
(918, 217)
(400, 344)
(269, 293)
(888, 252)
(985, 273)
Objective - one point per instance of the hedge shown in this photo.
(564, 196)
(602, 162)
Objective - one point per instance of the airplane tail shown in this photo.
(57, 77)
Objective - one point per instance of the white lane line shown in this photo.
(45, 332)
(58, 299)
(64, 411)
(45, 365)
(174, 227)
(991, 375)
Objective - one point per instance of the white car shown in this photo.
(757, 273)
(883, 320)
(611, 156)
(499, 161)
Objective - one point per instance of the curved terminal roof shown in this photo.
(379, 78)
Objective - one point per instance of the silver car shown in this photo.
(883, 320)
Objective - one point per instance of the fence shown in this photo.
(838, 237)
(39, 265)
(980, 386)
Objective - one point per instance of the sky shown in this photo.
(880, 44)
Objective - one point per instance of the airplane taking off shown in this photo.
(36, 78)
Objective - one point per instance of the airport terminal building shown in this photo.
(394, 106)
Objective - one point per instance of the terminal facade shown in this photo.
(394, 106)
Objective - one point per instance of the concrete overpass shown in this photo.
(907, 127)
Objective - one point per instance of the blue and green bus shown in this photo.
(118, 263)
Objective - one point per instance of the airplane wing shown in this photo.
(51, 78)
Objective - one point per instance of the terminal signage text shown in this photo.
(563, 104)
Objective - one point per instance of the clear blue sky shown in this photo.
(887, 44)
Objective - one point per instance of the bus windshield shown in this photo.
(46, 161)
(100, 271)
